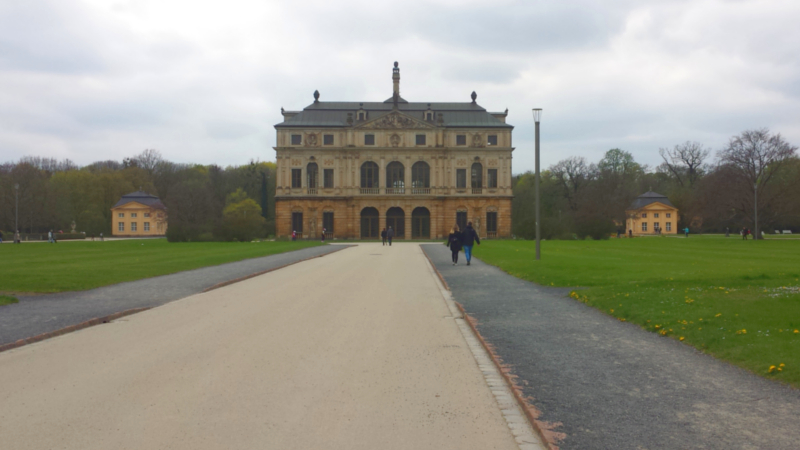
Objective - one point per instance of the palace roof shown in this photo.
(335, 114)
(141, 197)
(648, 198)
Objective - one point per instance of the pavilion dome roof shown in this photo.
(141, 197)
(648, 198)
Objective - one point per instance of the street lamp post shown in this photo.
(16, 207)
(537, 115)
(755, 190)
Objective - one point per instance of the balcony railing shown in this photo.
(312, 191)
(395, 191)
(421, 191)
(477, 190)
(371, 191)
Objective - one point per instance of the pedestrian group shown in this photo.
(457, 240)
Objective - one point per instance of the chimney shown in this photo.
(396, 82)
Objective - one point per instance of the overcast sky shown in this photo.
(204, 81)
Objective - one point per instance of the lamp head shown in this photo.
(537, 114)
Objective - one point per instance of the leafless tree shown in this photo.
(685, 161)
(754, 159)
(572, 174)
(148, 160)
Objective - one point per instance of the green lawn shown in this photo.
(739, 301)
(73, 266)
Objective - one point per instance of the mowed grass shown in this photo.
(737, 300)
(74, 266)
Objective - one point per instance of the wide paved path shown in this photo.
(612, 385)
(356, 350)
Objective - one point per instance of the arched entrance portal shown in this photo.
(369, 223)
(396, 218)
(421, 223)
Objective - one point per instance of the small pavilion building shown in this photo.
(651, 214)
(139, 214)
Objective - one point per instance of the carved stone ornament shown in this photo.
(393, 120)
(394, 140)
(477, 140)
(311, 140)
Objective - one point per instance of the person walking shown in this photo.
(383, 236)
(294, 235)
(454, 242)
(686, 231)
(50, 237)
(468, 238)
(744, 233)
(16, 237)
(390, 235)
(1, 237)
(101, 237)
(323, 235)
(727, 232)
(630, 232)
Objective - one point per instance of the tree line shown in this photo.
(203, 202)
(712, 194)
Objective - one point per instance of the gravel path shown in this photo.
(38, 314)
(612, 384)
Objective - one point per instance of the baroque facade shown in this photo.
(139, 214)
(651, 214)
(354, 168)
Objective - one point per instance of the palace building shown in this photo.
(138, 214)
(354, 168)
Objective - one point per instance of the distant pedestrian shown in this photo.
(323, 235)
(294, 235)
(454, 242)
(1, 237)
(16, 237)
(50, 238)
(389, 235)
(619, 232)
(468, 238)
(383, 236)
(727, 232)
(101, 237)
(744, 233)
(686, 231)
(630, 232)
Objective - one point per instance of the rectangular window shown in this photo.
(327, 139)
(644, 215)
(461, 220)
(121, 215)
(296, 139)
(669, 226)
(655, 215)
(420, 139)
(655, 226)
(328, 178)
(147, 214)
(297, 222)
(297, 178)
(133, 214)
(644, 226)
(492, 139)
(133, 226)
(491, 222)
(491, 178)
(669, 215)
(461, 178)
(147, 226)
(121, 226)
(361, 116)
(369, 139)
(461, 139)
(327, 221)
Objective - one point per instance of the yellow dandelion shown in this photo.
(783, 365)
(796, 331)
(681, 338)
(718, 314)
(771, 369)
(611, 310)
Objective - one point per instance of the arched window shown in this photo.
(312, 172)
(369, 175)
(421, 223)
(396, 177)
(369, 223)
(420, 175)
(396, 218)
(477, 175)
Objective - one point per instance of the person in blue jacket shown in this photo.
(468, 238)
